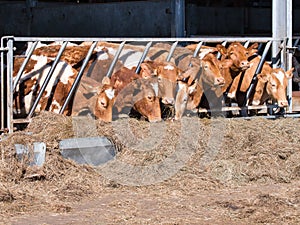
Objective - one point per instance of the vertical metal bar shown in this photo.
(199, 45)
(257, 71)
(246, 44)
(2, 86)
(289, 30)
(138, 67)
(278, 25)
(112, 65)
(197, 49)
(179, 20)
(171, 51)
(78, 77)
(9, 95)
(296, 42)
(48, 77)
(22, 68)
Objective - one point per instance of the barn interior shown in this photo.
(152, 18)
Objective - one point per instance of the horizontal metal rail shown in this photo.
(132, 39)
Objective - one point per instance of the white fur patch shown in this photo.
(204, 52)
(169, 67)
(280, 75)
(53, 108)
(155, 88)
(110, 93)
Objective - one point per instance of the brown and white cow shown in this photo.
(32, 79)
(271, 84)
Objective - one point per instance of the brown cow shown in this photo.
(105, 101)
(272, 86)
(167, 74)
(204, 77)
(128, 90)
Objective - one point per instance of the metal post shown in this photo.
(48, 77)
(289, 30)
(179, 18)
(2, 85)
(112, 65)
(138, 67)
(279, 25)
(9, 95)
(78, 77)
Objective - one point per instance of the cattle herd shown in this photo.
(160, 89)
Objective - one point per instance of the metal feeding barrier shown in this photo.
(9, 84)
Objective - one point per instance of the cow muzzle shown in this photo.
(244, 65)
(220, 81)
(168, 101)
(283, 103)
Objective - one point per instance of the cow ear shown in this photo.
(253, 49)
(262, 77)
(289, 73)
(221, 49)
(106, 80)
(227, 63)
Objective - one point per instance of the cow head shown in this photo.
(238, 54)
(167, 74)
(146, 101)
(272, 86)
(105, 101)
(211, 74)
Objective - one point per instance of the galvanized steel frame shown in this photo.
(148, 42)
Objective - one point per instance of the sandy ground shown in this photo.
(197, 171)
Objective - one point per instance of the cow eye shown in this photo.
(150, 97)
(205, 67)
(159, 79)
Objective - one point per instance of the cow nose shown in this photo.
(103, 103)
(219, 81)
(283, 103)
(245, 64)
(168, 101)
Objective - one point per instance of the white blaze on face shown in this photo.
(280, 76)
(169, 67)
(155, 88)
(110, 93)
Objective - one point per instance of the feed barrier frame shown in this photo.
(8, 83)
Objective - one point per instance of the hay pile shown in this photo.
(187, 157)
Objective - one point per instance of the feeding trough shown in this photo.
(91, 150)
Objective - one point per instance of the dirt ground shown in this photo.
(196, 171)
